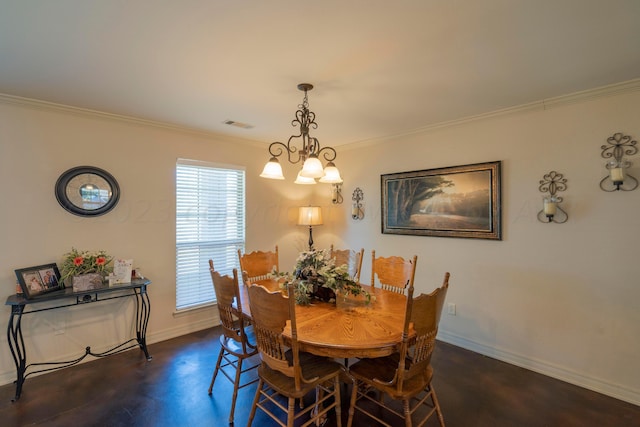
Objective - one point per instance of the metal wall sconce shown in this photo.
(357, 210)
(618, 146)
(336, 194)
(551, 212)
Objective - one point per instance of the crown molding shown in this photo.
(86, 112)
(599, 92)
(541, 105)
(544, 104)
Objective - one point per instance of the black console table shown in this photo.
(67, 298)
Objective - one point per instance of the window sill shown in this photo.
(191, 310)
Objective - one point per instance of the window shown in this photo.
(210, 224)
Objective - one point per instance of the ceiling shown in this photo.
(380, 68)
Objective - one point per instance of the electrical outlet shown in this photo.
(451, 309)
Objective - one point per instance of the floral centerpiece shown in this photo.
(77, 263)
(317, 277)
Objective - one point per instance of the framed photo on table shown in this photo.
(39, 280)
(457, 201)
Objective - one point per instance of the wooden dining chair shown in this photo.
(285, 371)
(404, 376)
(237, 342)
(257, 265)
(393, 273)
(351, 258)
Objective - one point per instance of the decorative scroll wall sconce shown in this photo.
(336, 194)
(357, 210)
(551, 212)
(618, 146)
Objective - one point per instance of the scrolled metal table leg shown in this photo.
(16, 345)
(143, 310)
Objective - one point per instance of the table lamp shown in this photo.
(310, 215)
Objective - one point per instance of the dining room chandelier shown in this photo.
(309, 154)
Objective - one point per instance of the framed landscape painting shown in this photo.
(458, 201)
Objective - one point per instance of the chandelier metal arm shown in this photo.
(329, 155)
(276, 149)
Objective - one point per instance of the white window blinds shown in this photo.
(210, 223)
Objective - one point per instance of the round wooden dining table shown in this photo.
(359, 330)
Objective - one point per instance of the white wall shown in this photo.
(561, 299)
(38, 143)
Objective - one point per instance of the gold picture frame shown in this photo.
(457, 201)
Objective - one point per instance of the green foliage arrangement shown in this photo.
(316, 276)
(78, 262)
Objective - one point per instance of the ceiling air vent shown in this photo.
(237, 124)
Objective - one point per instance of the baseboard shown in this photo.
(542, 367)
(190, 327)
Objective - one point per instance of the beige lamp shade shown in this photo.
(310, 215)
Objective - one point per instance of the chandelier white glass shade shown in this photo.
(331, 175)
(309, 154)
(272, 170)
(312, 167)
(303, 179)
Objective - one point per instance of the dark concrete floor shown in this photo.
(171, 390)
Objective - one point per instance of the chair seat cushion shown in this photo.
(312, 367)
(383, 369)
